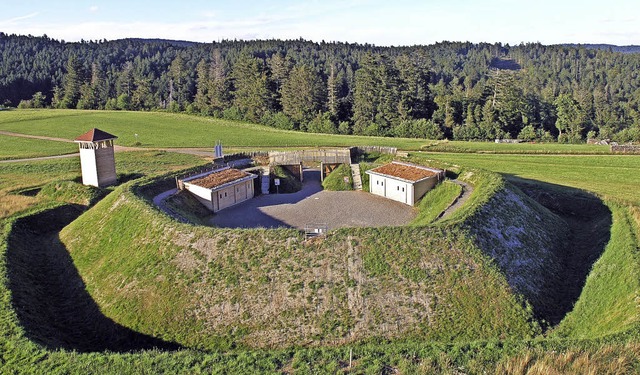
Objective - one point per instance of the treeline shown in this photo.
(455, 90)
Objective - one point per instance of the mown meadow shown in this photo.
(161, 129)
(609, 176)
(600, 335)
(22, 148)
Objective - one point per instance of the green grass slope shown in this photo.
(161, 129)
(435, 202)
(339, 179)
(610, 300)
(521, 236)
(207, 288)
(524, 239)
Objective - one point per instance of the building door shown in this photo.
(226, 197)
(241, 192)
(376, 184)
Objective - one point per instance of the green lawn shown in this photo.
(515, 148)
(162, 129)
(612, 176)
(157, 129)
(15, 177)
(19, 148)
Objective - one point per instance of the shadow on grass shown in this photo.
(589, 221)
(29, 192)
(49, 295)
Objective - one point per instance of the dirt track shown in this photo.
(466, 193)
(202, 152)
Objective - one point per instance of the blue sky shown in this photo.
(391, 22)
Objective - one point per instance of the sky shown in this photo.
(383, 23)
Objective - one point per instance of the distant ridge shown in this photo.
(177, 43)
(607, 47)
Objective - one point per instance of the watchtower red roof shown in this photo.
(95, 135)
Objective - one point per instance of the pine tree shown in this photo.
(251, 96)
(280, 67)
(219, 90)
(365, 100)
(302, 95)
(72, 83)
(142, 97)
(570, 119)
(179, 90)
(201, 100)
(333, 106)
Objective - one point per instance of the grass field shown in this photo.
(157, 129)
(610, 176)
(514, 148)
(608, 303)
(161, 129)
(22, 148)
(16, 177)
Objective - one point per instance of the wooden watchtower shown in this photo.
(97, 158)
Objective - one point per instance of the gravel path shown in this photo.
(159, 200)
(12, 134)
(466, 193)
(41, 158)
(314, 205)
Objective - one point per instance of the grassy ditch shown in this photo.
(609, 300)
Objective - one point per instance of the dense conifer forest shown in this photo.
(449, 90)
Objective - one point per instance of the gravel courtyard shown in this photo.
(314, 205)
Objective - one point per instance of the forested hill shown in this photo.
(609, 47)
(449, 89)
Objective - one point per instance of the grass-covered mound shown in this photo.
(524, 239)
(435, 202)
(71, 192)
(208, 288)
(339, 179)
(618, 354)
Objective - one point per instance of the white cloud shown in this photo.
(209, 14)
(12, 21)
(94, 9)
